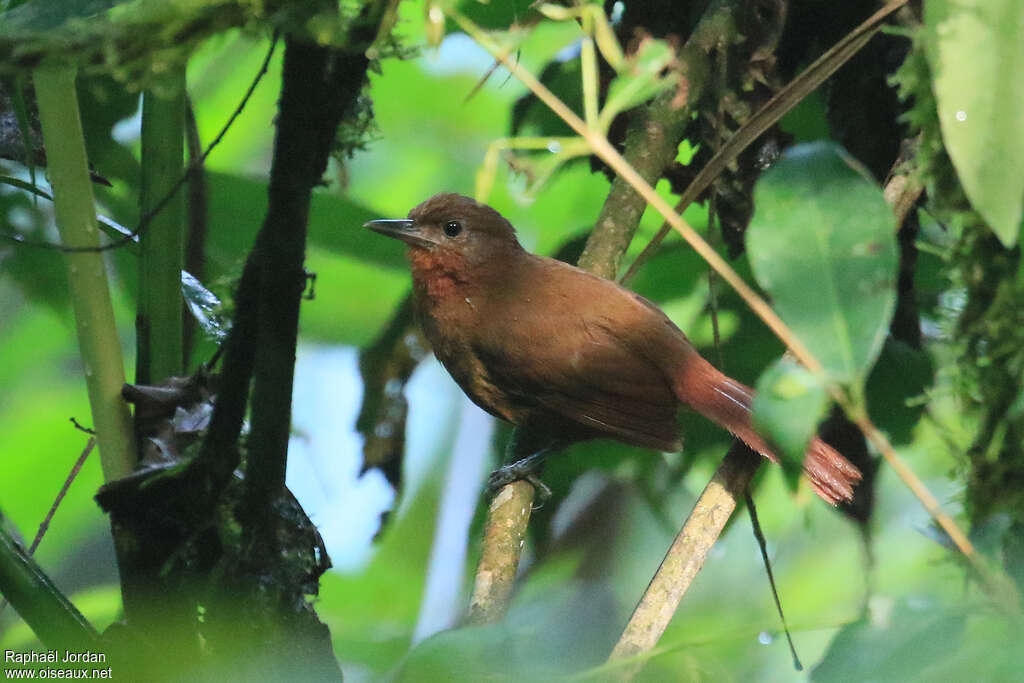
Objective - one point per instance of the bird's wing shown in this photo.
(575, 363)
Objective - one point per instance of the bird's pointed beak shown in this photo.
(399, 228)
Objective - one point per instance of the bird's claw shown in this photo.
(542, 490)
(515, 472)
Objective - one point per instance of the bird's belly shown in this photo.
(473, 378)
(445, 323)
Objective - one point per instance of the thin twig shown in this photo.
(1003, 592)
(80, 427)
(75, 469)
(72, 475)
(763, 547)
(914, 483)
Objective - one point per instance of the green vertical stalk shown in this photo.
(159, 320)
(90, 295)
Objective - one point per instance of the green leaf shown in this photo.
(497, 15)
(976, 55)
(468, 653)
(643, 78)
(822, 243)
(372, 613)
(908, 640)
(238, 206)
(204, 306)
(920, 640)
(899, 379)
(40, 274)
(353, 299)
(790, 402)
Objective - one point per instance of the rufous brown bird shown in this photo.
(562, 352)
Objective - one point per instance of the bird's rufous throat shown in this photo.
(566, 354)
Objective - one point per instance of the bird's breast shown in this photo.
(452, 312)
(437, 274)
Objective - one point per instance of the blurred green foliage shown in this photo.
(887, 606)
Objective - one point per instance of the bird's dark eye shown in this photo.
(452, 228)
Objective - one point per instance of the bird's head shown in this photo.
(452, 228)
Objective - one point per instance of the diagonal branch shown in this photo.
(651, 145)
(685, 557)
(46, 610)
(504, 536)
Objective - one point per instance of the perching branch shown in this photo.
(504, 537)
(686, 556)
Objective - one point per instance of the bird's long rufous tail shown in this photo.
(727, 402)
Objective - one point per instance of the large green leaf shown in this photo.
(372, 613)
(790, 402)
(238, 206)
(922, 640)
(353, 300)
(976, 53)
(40, 274)
(361, 276)
(822, 242)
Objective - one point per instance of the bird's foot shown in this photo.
(519, 471)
